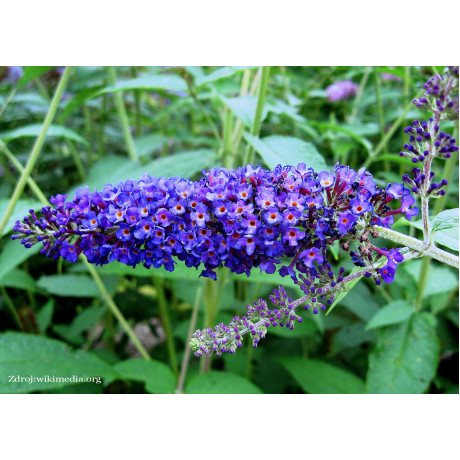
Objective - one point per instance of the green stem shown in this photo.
(88, 124)
(249, 154)
(163, 307)
(384, 141)
(406, 90)
(101, 127)
(422, 281)
(77, 161)
(8, 98)
(30, 182)
(187, 351)
(137, 105)
(239, 126)
(114, 309)
(122, 115)
(228, 151)
(378, 94)
(359, 95)
(36, 149)
(10, 305)
(208, 119)
(42, 90)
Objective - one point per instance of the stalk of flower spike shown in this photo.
(241, 219)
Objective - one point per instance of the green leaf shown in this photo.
(82, 322)
(151, 82)
(319, 377)
(439, 279)
(351, 336)
(218, 74)
(35, 129)
(157, 376)
(29, 355)
(31, 73)
(393, 313)
(113, 169)
(243, 107)
(146, 145)
(20, 211)
(286, 150)
(13, 254)
(405, 357)
(18, 279)
(445, 229)
(69, 285)
(216, 382)
(355, 132)
(45, 315)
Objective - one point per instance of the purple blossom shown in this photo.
(341, 90)
(345, 222)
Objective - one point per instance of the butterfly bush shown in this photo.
(281, 220)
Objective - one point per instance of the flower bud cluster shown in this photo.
(438, 97)
(228, 338)
(243, 218)
(426, 139)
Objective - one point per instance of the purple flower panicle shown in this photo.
(241, 219)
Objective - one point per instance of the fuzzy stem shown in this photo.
(123, 116)
(417, 245)
(36, 149)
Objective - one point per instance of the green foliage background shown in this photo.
(398, 338)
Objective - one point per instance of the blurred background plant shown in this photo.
(62, 129)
